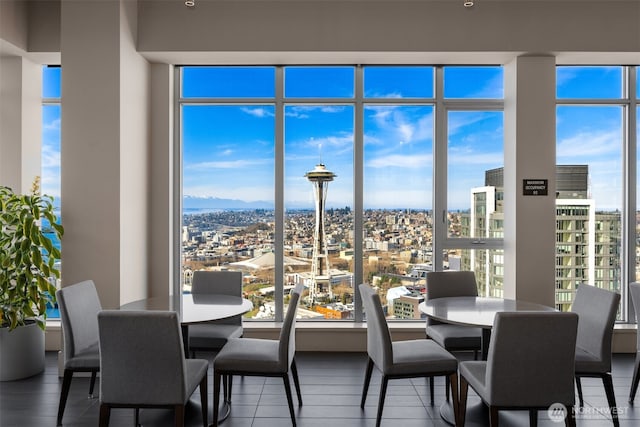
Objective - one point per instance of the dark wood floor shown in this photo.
(331, 386)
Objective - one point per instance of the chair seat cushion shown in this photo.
(249, 355)
(213, 336)
(196, 370)
(418, 357)
(455, 337)
(88, 358)
(588, 363)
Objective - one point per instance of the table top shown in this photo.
(196, 308)
(475, 311)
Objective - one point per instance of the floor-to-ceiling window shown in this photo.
(228, 128)
(50, 152)
(592, 122)
(326, 175)
(472, 237)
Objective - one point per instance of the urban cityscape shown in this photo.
(397, 248)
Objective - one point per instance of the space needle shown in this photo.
(320, 276)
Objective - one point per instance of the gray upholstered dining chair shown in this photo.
(211, 336)
(596, 309)
(79, 305)
(142, 364)
(442, 284)
(402, 359)
(634, 290)
(529, 365)
(261, 357)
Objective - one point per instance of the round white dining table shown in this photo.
(478, 312)
(195, 308)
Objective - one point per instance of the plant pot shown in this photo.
(21, 352)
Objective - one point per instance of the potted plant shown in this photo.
(28, 273)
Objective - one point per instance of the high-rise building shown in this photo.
(320, 273)
(587, 240)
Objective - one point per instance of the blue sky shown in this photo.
(229, 150)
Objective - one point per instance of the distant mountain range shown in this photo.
(193, 202)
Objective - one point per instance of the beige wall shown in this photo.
(431, 29)
(20, 122)
(14, 22)
(161, 182)
(134, 160)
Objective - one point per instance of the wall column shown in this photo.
(161, 223)
(20, 122)
(530, 153)
(105, 135)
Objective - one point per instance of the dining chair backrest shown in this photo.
(287, 342)
(442, 284)
(634, 290)
(219, 282)
(379, 344)
(597, 309)
(141, 358)
(531, 359)
(79, 306)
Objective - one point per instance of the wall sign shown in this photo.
(535, 187)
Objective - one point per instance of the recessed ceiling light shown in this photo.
(189, 3)
(468, 4)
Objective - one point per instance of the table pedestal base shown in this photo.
(477, 414)
(223, 412)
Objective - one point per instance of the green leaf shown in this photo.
(46, 242)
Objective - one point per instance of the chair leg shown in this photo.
(570, 420)
(92, 384)
(64, 393)
(447, 386)
(493, 416)
(383, 393)
(635, 380)
(579, 386)
(611, 398)
(204, 398)
(105, 413)
(367, 380)
(296, 382)
(216, 397)
(431, 389)
(453, 380)
(462, 410)
(179, 415)
(230, 386)
(533, 417)
(136, 417)
(287, 389)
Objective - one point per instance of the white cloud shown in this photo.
(230, 164)
(401, 161)
(588, 144)
(469, 157)
(258, 111)
(53, 125)
(50, 157)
